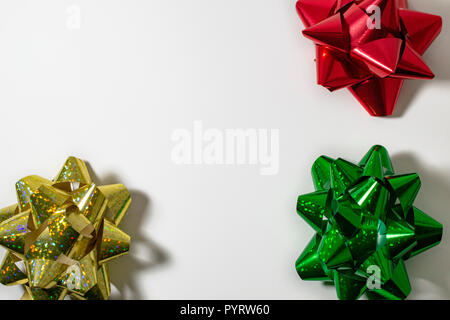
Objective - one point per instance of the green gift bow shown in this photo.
(366, 227)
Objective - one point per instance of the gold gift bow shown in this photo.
(64, 231)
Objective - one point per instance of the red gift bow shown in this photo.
(370, 60)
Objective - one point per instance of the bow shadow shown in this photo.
(144, 253)
(428, 271)
(435, 56)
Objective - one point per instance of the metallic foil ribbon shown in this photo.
(366, 227)
(369, 47)
(63, 232)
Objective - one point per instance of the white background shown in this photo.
(113, 91)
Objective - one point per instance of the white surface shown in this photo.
(113, 91)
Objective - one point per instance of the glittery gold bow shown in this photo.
(64, 231)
